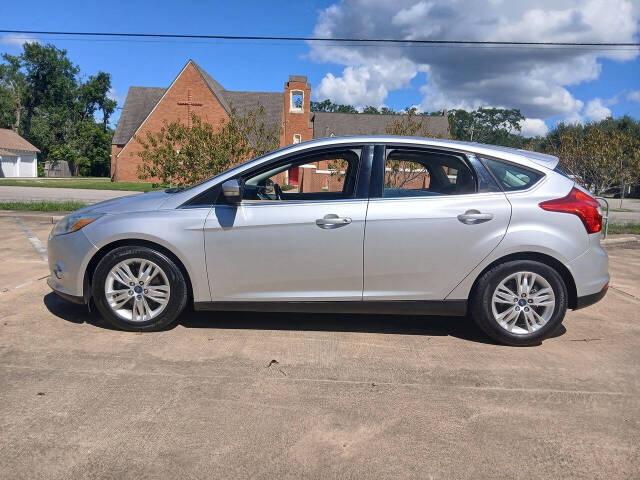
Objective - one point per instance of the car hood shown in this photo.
(132, 203)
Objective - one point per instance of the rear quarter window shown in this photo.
(512, 177)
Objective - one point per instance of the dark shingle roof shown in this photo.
(138, 105)
(327, 124)
(12, 141)
(215, 87)
(245, 102)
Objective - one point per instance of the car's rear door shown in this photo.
(432, 217)
(301, 244)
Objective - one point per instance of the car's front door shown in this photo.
(435, 218)
(292, 243)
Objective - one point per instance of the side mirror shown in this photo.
(232, 191)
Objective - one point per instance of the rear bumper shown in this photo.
(588, 300)
(590, 270)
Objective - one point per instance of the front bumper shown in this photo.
(66, 296)
(69, 256)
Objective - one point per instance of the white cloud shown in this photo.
(534, 80)
(634, 96)
(362, 86)
(17, 39)
(114, 95)
(533, 127)
(596, 110)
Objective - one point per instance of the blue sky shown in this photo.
(351, 75)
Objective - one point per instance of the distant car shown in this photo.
(375, 225)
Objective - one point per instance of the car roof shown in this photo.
(508, 153)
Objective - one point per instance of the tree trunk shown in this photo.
(27, 123)
(16, 124)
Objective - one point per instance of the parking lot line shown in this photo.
(37, 244)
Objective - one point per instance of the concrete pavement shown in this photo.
(238, 395)
(31, 194)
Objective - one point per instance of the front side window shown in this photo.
(512, 177)
(326, 176)
(410, 173)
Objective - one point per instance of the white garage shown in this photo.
(18, 158)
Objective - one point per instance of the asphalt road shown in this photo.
(624, 217)
(237, 395)
(30, 194)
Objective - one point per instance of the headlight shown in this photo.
(74, 221)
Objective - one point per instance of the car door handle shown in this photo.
(332, 221)
(471, 217)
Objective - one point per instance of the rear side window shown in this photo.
(411, 173)
(512, 177)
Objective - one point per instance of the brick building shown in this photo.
(194, 90)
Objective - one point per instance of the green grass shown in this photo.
(633, 228)
(77, 182)
(621, 210)
(67, 206)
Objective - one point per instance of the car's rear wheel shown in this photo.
(139, 289)
(519, 302)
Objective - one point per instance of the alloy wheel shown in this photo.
(137, 290)
(523, 302)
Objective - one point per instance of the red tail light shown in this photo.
(580, 204)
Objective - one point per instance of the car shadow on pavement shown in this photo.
(74, 313)
(433, 326)
(426, 325)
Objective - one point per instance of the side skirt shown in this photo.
(394, 307)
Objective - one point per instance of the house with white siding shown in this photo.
(18, 158)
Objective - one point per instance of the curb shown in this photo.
(40, 216)
(618, 241)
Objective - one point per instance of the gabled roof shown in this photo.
(141, 101)
(327, 124)
(137, 106)
(214, 86)
(10, 140)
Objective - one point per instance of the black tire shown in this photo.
(481, 302)
(177, 284)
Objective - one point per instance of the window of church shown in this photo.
(297, 138)
(297, 101)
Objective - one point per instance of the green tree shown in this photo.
(598, 159)
(498, 126)
(43, 98)
(180, 156)
(50, 79)
(12, 88)
(93, 96)
(329, 106)
(412, 124)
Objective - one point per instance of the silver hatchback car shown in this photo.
(374, 224)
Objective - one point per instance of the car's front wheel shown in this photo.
(519, 302)
(138, 289)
